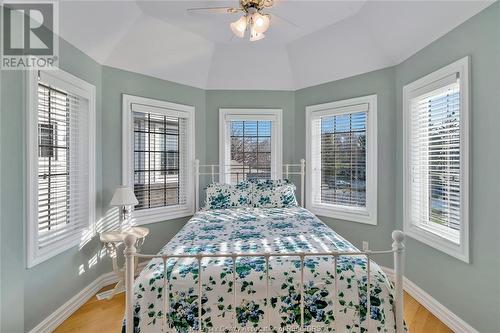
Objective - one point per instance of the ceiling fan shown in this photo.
(253, 19)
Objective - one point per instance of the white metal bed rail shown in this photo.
(130, 252)
(213, 170)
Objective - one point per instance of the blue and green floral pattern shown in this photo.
(220, 196)
(266, 193)
(335, 298)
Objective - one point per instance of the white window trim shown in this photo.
(160, 214)
(426, 235)
(84, 89)
(275, 115)
(368, 215)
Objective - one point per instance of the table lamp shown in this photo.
(122, 198)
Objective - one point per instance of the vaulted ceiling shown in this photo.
(308, 43)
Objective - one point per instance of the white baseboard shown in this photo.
(444, 314)
(55, 319)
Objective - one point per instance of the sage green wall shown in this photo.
(472, 291)
(381, 83)
(30, 295)
(11, 212)
(40, 298)
(117, 82)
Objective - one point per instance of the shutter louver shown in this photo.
(160, 160)
(63, 206)
(343, 159)
(339, 157)
(435, 160)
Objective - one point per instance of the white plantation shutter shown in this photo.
(62, 206)
(160, 158)
(184, 162)
(341, 159)
(435, 159)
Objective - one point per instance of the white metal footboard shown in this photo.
(130, 252)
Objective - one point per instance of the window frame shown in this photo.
(228, 115)
(165, 213)
(369, 214)
(83, 89)
(427, 84)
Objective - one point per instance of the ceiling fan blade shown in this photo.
(215, 10)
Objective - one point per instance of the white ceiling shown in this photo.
(308, 43)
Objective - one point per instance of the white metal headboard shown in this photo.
(213, 170)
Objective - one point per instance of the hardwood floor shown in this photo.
(106, 317)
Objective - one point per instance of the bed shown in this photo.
(262, 270)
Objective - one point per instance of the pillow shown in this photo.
(263, 184)
(272, 193)
(220, 196)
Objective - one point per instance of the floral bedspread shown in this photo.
(257, 230)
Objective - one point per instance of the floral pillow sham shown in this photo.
(272, 193)
(262, 193)
(268, 184)
(221, 196)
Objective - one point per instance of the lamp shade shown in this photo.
(124, 196)
(239, 27)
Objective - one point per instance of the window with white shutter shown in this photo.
(436, 159)
(250, 144)
(341, 159)
(159, 158)
(61, 166)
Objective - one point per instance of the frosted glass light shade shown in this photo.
(255, 36)
(124, 196)
(239, 27)
(260, 23)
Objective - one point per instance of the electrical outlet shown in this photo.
(366, 245)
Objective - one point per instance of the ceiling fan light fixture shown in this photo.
(239, 27)
(260, 23)
(255, 36)
(253, 19)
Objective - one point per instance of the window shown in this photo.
(341, 159)
(250, 149)
(61, 186)
(250, 144)
(158, 157)
(436, 159)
